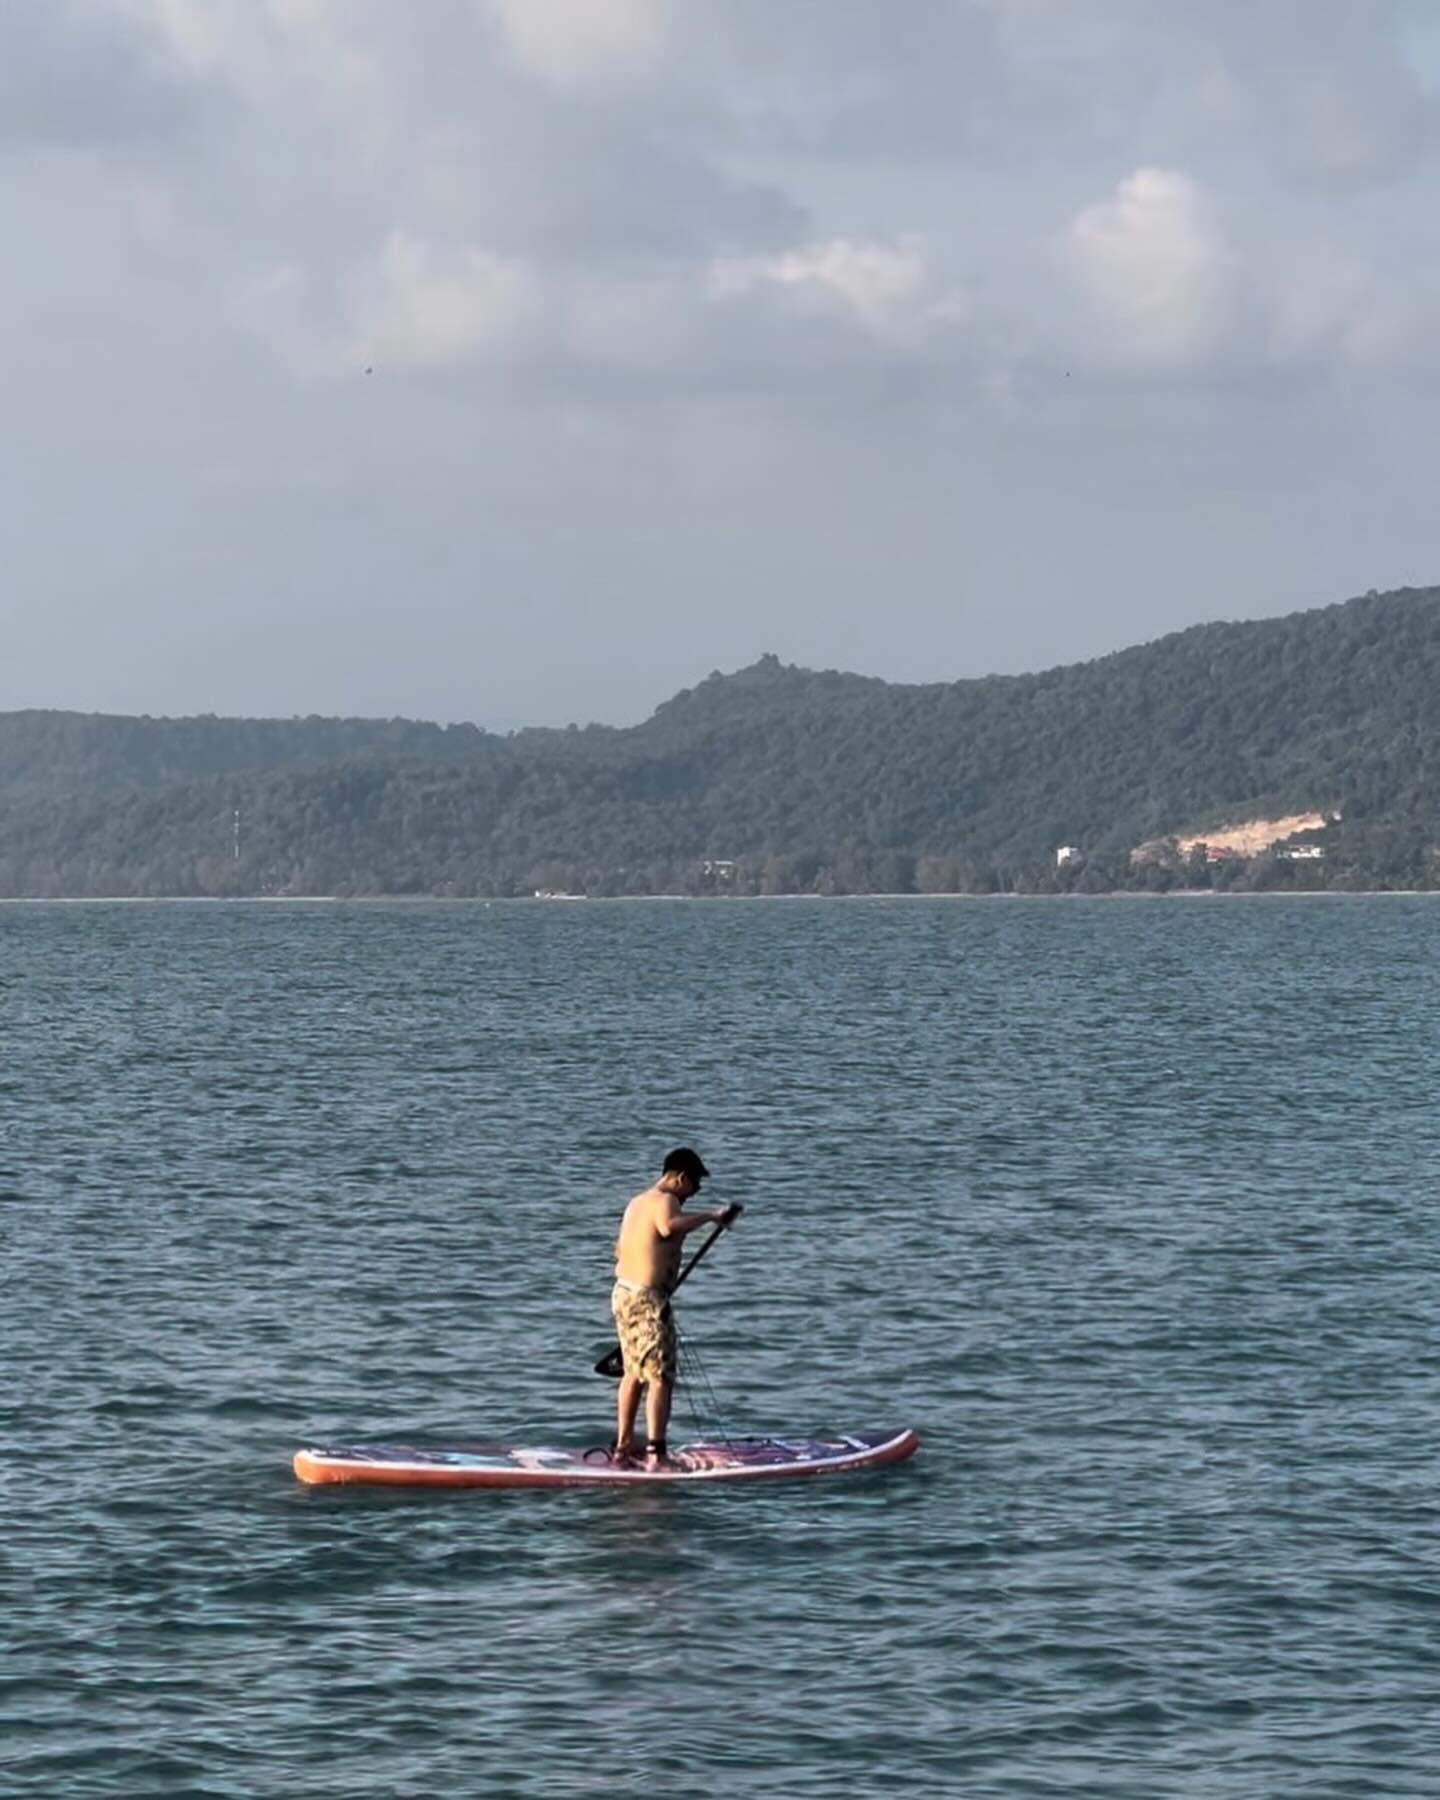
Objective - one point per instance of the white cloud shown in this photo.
(200, 40)
(889, 289)
(419, 308)
(1157, 270)
(572, 43)
(678, 226)
(1328, 92)
(419, 305)
(305, 56)
(1170, 287)
(1329, 306)
(415, 307)
(273, 308)
(1347, 129)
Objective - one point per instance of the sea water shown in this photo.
(1129, 1207)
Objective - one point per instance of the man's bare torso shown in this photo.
(643, 1257)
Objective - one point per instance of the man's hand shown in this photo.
(727, 1215)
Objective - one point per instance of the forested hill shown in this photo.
(55, 753)
(780, 779)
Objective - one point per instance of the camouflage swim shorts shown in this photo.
(646, 1331)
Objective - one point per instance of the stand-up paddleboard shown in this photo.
(507, 1465)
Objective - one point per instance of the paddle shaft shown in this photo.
(719, 1231)
(611, 1363)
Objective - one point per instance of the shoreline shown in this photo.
(526, 900)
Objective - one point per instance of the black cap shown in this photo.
(685, 1162)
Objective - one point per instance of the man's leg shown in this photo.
(627, 1404)
(660, 1392)
(657, 1409)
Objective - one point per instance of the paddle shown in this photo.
(613, 1363)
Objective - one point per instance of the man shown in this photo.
(647, 1261)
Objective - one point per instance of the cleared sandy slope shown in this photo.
(1253, 835)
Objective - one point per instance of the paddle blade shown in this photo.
(611, 1364)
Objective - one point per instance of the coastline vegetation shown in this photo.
(782, 780)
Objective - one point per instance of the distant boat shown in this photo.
(554, 894)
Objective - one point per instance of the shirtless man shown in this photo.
(647, 1260)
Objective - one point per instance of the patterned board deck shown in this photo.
(508, 1465)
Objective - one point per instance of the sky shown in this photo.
(524, 361)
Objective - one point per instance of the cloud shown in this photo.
(815, 265)
(421, 309)
(320, 60)
(671, 191)
(1346, 130)
(888, 289)
(1173, 286)
(73, 83)
(1330, 307)
(415, 307)
(573, 43)
(1157, 271)
(1328, 91)
(800, 317)
(643, 327)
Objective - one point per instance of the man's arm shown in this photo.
(676, 1224)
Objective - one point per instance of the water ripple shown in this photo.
(1126, 1207)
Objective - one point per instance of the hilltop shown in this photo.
(775, 778)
